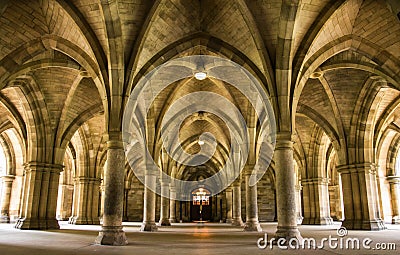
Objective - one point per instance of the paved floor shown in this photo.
(190, 239)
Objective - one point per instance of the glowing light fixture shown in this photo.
(200, 76)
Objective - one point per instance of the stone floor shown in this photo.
(191, 238)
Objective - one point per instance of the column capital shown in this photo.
(7, 178)
(236, 182)
(318, 180)
(87, 179)
(248, 169)
(43, 167)
(115, 144)
(284, 141)
(393, 179)
(366, 167)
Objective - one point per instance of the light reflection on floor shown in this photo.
(180, 238)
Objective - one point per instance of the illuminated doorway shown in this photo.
(201, 206)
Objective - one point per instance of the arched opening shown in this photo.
(201, 205)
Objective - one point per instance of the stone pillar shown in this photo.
(149, 206)
(7, 182)
(164, 211)
(75, 198)
(252, 223)
(361, 204)
(335, 200)
(316, 202)
(228, 193)
(63, 206)
(80, 218)
(103, 194)
(298, 204)
(39, 207)
(237, 204)
(93, 213)
(172, 204)
(285, 189)
(111, 232)
(394, 182)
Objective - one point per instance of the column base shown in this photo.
(95, 221)
(83, 221)
(229, 221)
(252, 226)
(4, 219)
(237, 222)
(288, 233)
(172, 220)
(318, 221)
(148, 227)
(62, 218)
(299, 220)
(376, 224)
(78, 220)
(111, 236)
(36, 224)
(165, 222)
(396, 220)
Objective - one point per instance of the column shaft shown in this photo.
(111, 232)
(164, 220)
(229, 199)
(149, 207)
(285, 189)
(172, 205)
(7, 182)
(298, 205)
(252, 223)
(394, 182)
(316, 202)
(361, 205)
(38, 210)
(237, 204)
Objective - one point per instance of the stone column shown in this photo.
(111, 232)
(80, 218)
(164, 211)
(285, 189)
(63, 207)
(316, 202)
(335, 200)
(103, 194)
(361, 207)
(298, 204)
(228, 193)
(394, 182)
(39, 207)
(252, 223)
(172, 204)
(149, 206)
(7, 182)
(237, 204)
(75, 198)
(93, 214)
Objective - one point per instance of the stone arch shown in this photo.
(266, 196)
(384, 59)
